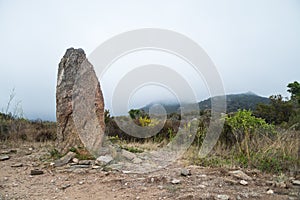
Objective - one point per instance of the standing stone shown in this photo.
(78, 86)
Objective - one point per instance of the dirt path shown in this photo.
(84, 182)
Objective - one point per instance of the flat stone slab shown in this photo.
(240, 175)
(64, 160)
(35, 172)
(4, 157)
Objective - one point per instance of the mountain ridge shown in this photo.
(247, 101)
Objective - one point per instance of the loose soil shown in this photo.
(67, 182)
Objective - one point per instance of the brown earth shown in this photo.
(84, 182)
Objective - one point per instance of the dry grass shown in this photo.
(148, 145)
(276, 154)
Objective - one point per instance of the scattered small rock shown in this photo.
(128, 155)
(222, 197)
(17, 165)
(4, 157)
(185, 197)
(243, 182)
(232, 182)
(5, 152)
(175, 181)
(137, 160)
(281, 184)
(36, 172)
(270, 183)
(15, 184)
(96, 167)
(270, 191)
(84, 162)
(296, 182)
(103, 160)
(80, 182)
(64, 160)
(63, 187)
(81, 166)
(185, 172)
(240, 175)
(75, 160)
(9, 151)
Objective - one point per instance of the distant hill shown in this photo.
(234, 102)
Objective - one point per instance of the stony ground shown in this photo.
(24, 174)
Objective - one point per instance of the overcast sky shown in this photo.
(255, 45)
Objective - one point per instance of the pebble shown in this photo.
(222, 197)
(296, 182)
(84, 162)
(137, 161)
(103, 160)
(15, 185)
(241, 175)
(80, 182)
(17, 165)
(128, 155)
(270, 191)
(175, 181)
(185, 172)
(75, 160)
(36, 172)
(243, 182)
(63, 187)
(64, 160)
(80, 166)
(4, 157)
(8, 151)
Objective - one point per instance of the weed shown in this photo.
(54, 153)
(132, 149)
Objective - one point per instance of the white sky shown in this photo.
(254, 44)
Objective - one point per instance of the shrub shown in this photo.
(244, 127)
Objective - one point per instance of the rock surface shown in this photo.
(75, 78)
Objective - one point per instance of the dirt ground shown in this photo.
(88, 182)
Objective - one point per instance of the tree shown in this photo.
(136, 114)
(294, 89)
(276, 112)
